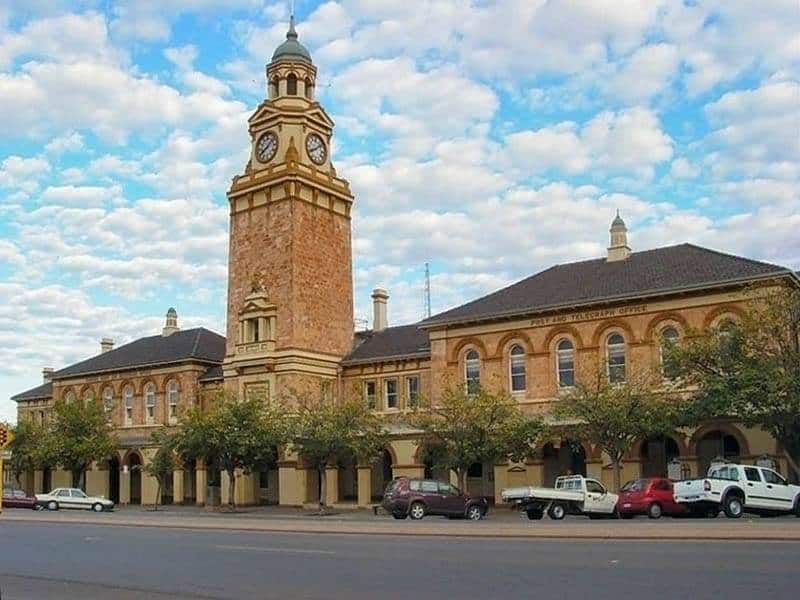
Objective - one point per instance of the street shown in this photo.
(41, 560)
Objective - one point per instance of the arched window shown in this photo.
(291, 84)
(88, 396)
(517, 368)
(150, 402)
(472, 371)
(172, 399)
(669, 338)
(69, 397)
(127, 398)
(565, 358)
(108, 402)
(615, 355)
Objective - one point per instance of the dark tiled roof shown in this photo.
(40, 391)
(392, 343)
(659, 271)
(212, 374)
(200, 345)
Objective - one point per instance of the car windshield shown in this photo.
(637, 485)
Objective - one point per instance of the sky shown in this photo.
(489, 139)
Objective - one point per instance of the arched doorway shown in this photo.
(568, 459)
(381, 475)
(113, 478)
(135, 470)
(716, 445)
(348, 479)
(190, 482)
(656, 453)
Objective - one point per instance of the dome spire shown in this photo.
(291, 49)
(291, 34)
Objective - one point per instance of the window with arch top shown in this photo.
(108, 402)
(150, 402)
(615, 357)
(565, 363)
(127, 398)
(517, 371)
(472, 371)
(172, 399)
(668, 340)
(291, 84)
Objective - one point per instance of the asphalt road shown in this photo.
(86, 561)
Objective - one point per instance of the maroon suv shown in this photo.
(415, 498)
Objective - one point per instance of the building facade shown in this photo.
(290, 331)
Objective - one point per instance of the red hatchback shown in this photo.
(18, 499)
(651, 497)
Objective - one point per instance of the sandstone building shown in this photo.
(290, 327)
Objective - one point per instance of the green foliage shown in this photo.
(25, 449)
(76, 435)
(750, 369)
(234, 434)
(326, 431)
(163, 462)
(464, 428)
(615, 415)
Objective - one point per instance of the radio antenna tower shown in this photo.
(427, 290)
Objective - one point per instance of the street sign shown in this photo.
(5, 435)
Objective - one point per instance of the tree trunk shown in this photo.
(617, 474)
(323, 489)
(76, 478)
(232, 489)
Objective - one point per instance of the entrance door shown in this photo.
(135, 466)
(113, 479)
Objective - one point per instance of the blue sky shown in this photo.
(491, 139)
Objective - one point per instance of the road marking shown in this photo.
(284, 550)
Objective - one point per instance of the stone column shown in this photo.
(331, 485)
(364, 485)
(288, 486)
(125, 486)
(38, 483)
(177, 486)
(201, 483)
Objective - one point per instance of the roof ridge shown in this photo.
(735, 256)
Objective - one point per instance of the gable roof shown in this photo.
(39, 392)
(393, 343)
(652, 272)
(197, 345)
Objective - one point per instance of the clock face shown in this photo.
(267, 147)
(316, 148)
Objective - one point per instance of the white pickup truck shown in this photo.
(738, 489)
(572, 494)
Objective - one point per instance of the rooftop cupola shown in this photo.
(291, 74)
(171, 324)
(618, 249)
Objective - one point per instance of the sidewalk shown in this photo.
(501, 524)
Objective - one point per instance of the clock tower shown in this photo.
(290, 295)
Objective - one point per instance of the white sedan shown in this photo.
(72, 498)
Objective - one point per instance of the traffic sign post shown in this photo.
(5, 439)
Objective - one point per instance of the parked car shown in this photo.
(738, 489)
(649, 496)
(416, 498)
(73, 498)
(17, 499)
(574, 494)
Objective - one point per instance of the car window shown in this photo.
(772, 477)
(752, 474)
(448, 490)
(19, 494)
(594, 487)
(78, 494)
(430, 487)
(415, 485)
(63, 493)
(662, 485)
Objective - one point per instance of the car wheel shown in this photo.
(399, 516)
(474, 513)
(557, 512)
(97, 507)
(654, 511)
(417, 511)
(52, 505)
(734, 507)
(535, 514)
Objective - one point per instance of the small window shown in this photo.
(472, 371)
(594, 487)
(415, 485)
(291, 84)
(752, 474)
(172, 399)
(412, 390)
(127, 396)
(63, 493)
(669, 338)
(370, 394)
(108, 401)
(447, 489)
(150, 402)
(430, 487)
(565, 357)
(773, 477)
(615, 353)
(391, 393)
(517, 368)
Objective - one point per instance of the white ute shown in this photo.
(572, 494)
(738, 489)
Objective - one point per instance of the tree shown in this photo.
(163, 463)
(325, 431)
(615, 415)
(76, 435)
(233, 434)
(750, 369)
(463, 428)
(25, 449)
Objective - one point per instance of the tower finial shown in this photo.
(291, 34)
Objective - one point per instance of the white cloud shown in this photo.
(682, 169)
(22, 173)
(69, 142)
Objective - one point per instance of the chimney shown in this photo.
(171, 325)
(379, 301)
(47, 374)
(106, 345)
(618, 249)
